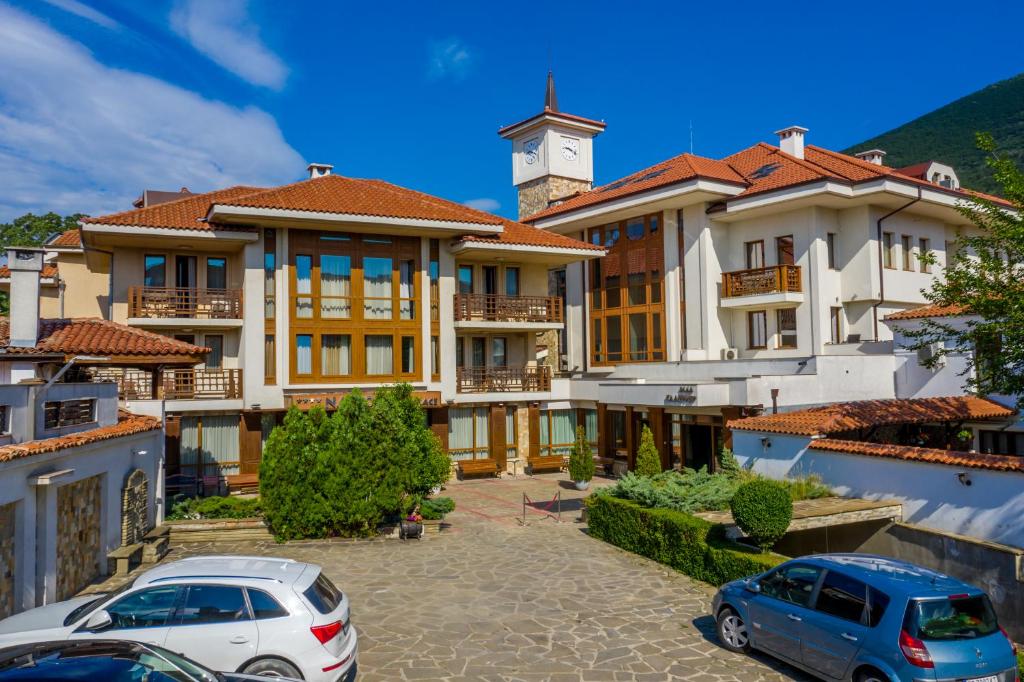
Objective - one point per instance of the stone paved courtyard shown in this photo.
(491, 599)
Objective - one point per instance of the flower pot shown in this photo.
(435, 491)
(581, 485)
(410, 529)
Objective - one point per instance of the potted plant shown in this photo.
(963, 440)
(581, 461)
(434, 511)
(411, 526)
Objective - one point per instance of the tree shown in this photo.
(648, 461)
(581, 459)
(34, 230)
(985, 278)
(762, 508)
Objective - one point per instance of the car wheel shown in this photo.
(272, 667)
(732, 631)
(871, 676)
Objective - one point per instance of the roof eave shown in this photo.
(569, 252)
(220, 212)
(174, 232)
(590, 125)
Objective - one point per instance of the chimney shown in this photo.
(25, 265)
(875, 156)
(318, 170)
(791, 140)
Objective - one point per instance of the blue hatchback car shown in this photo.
(867, 619)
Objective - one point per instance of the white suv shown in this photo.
(231, 613)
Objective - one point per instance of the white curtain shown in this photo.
(220, 443)
(335, 286)
(303, 286)
(303, 354)
(480, 417)
(408, 354)
(335, 354)
(377, 288)
(511, 436)
(563, 427)
(379, 355)
(460, 432)
(406, 272)
(189, 444)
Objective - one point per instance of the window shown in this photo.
(511, 433)
(635, 229)
(380, 358)
(498, 354)
(264, 606)
(408, 355)
(269, 360)
(614, 343)
(335, 286)
(617, 429)
(842, 597)
(754, 252)
(836, 320)
(304, 354)
(786, 318)
(155, 271)
(951, 619)
(206, 604)
(209, 445)
(479, 345)
(406, 289)
(638, 337)
(144, 609)
(216, 273)
(557, 431)
(377, 288)
(1001, 442)
(460, 352)
(793, 584)
(830, 242)
(465, 279)
(323, 595)
(215, 358)
(434, 273)
(303, 286)
(269, 274)
(877, 602)
(757, 329)
(335, 354)
(888, 250)
(435, 356)
(5, 424)
(784, 250)
(57, 414)
(924, 253)
(906, 243)
(467, 433)
(511, 281)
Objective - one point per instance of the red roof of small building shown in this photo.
(839, 417)
(92, 336)
(928, 455)
(49, 271)
(127, 424)
(70, 239)
(188, 213)
(928, 311)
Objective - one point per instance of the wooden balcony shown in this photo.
(777, 279)
(495, 308)
(173, 303)
(173, 384)
(502, 379)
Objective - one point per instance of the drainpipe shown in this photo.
(881, 257)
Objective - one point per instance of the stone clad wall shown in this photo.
(7, 560)
(134, 508)
(536, 195)
(79, 514)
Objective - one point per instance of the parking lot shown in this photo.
(493, 599)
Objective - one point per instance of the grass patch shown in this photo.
(196, 508)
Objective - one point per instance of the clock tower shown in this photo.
(552, 155)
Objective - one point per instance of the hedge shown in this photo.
(686, 543)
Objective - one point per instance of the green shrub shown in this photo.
(435, 508)
(648, 461)
(581, 459)
(216, 508)
(762, 508)
(686, 491)
(684, 542)
(806, 488)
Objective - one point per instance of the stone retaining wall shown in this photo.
(79, 514)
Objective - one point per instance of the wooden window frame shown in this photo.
(750, 329)
(270, 369)
(780, 345)
(889, 250)
(779, 241)
(546, 415)
(485, 449)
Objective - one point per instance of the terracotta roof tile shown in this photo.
(127, 424)
(71, 239)
(928, 311)
(839, 417)
(524, 235)
(91, 336)
(49, 271)
(930, 455)
(183, 214)
(338, 194)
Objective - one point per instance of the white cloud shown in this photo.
(76, 135)
(449, 59)
(222, 31)
(86, 12)
(483, 204)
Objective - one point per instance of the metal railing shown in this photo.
(502, 379)
(168, 302)
(497, 308)
(771, 280)
(173, 384)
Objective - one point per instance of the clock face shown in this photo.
(530, 149)
(570, 148)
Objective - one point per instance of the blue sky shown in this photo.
(101, 98)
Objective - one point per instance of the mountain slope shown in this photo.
(947, 134)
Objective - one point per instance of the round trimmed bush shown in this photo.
(762, 508)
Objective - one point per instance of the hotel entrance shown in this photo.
(696, 441)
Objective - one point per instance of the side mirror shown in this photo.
(99, 621)
(754, 586)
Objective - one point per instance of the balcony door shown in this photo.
(754, 254)
(185, 281)
(490, 273)
(784, 250)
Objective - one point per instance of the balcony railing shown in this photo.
(173, 384)
(502, 379)
(170, 302)
(777, 279)
(495, 308)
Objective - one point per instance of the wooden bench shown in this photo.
(120, 561)
(545, 463)
(472, 467)
(244, 483)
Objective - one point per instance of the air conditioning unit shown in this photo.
(730, 353)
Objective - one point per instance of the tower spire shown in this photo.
(550, 98)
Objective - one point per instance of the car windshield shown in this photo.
(951, 618)
(88, 607)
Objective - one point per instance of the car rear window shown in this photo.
(876, 608)
(951, 618)
(323, 595)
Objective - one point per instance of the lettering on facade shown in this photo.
(687, 393)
